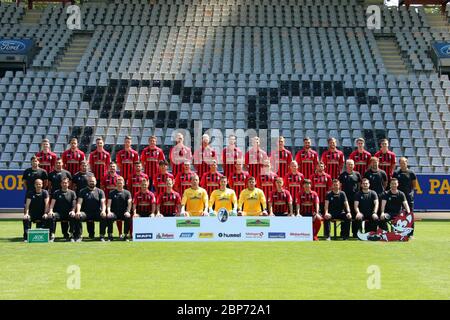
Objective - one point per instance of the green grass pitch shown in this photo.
(418, 269)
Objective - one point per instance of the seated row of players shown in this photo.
(321, 181)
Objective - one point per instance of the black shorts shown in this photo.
(280, 214)
(62, 216)
(338, 216)
(143, 214)
(92, 216)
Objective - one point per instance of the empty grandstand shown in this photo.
(303, 67)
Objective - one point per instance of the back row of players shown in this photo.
(285, 189)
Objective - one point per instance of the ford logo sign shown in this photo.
(11, 46)
(446, 50)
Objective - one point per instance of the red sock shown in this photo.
(316, 227)
(119, 226)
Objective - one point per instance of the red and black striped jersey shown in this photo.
(160, 182)
(203, 159)
(334, 162)
(125, 161)
(321, 184)
(135, 181)
(254, 160)
(229, 159)
(183, 181)
(362, 160)
(109, 183)
(178, 155)
(150, 158)
(99, 162)
(294, 183)
(280, 160)
(169, 203)
(280, 201)
(238, 181)
(143, 202)
(266, 182)
(210, 181)
(307, 162)
(72, 160)
(307, 202)
(47, 161)
(387, 162)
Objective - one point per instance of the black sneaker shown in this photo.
(125, 238)
(102, 239)
(110, 237)
(67, 237)
(92, 236)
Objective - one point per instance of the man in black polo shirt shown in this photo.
(62, 206)
(119, 208)
(36, 206)
(377, 177)
(55, 177)
(337, 207)
(350, 183)
(407, 183)
(91, 207)
(392, 202)
(30, 175)
(366, 207)
(79, 180)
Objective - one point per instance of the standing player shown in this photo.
(252, 201)
(179, 154)
(281, 158)
(361, 157)
(351, 182)
(254, 158)
(55, 177)
(160, 180)
(151, 156)
(109, 181)
(377, 177)
(211, 180)
(387, 159)
(308, 206)
(230, 155)
(126, 158)
(168, 202)
(195, 200)
(204, 157)
(135, 179)
(238, 179)
(333, 159)
(307, 159)
(144, 201)
(183, 179)
(62, 205)
(223, 198)
(91, 207)
(294, 180)
(321, 184)
(266, 180)
(392, 202)
(36, 209)
(30, 175)
(47, 159)
(99, 161)
(407, 183)
(280, 201)
(366, 207)
(337, 207)
(79, 180)
(73, 157)
(119, 208)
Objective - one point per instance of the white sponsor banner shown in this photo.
(232, 229)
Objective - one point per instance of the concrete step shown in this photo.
(392, 59)
(74, 52)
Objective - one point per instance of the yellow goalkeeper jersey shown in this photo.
(195, 201)
(223, 199)
(251, 203)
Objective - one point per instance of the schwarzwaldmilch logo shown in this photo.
(188, 223)
(258, 223)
